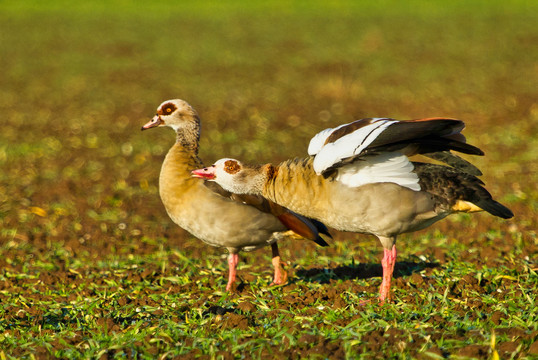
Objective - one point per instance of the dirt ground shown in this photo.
(411, 275)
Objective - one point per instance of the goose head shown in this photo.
(177, 114)
(233, 176)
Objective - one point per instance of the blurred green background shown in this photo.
(78, 80)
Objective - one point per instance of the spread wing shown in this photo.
(381, 142)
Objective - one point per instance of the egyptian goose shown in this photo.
(213, 215)
(359, 178)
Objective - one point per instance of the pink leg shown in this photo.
(388, 262)
(233, 260)
(281, 276)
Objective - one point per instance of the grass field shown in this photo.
(92, 267)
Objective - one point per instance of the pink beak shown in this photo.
(156, 121)
(207, 173)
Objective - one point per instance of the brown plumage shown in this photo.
(361, 180)
(235, 222)
(452, 188)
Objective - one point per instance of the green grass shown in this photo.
(91, 266)
(97, 309)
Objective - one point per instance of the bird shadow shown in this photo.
(360, 271)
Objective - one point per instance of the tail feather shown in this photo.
(458, 190)
(495, 208)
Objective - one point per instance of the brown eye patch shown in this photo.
(167, 109)
(231, 167)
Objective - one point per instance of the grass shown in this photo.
(100, 309)
(91, 266)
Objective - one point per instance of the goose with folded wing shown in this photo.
(215, 216)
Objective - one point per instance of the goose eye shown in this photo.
(231, 167)
(167, 109)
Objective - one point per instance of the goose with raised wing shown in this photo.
(213, 215)
(359, 178)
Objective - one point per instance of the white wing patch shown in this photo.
(317, 142)
(348, 145)
(391, 167)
